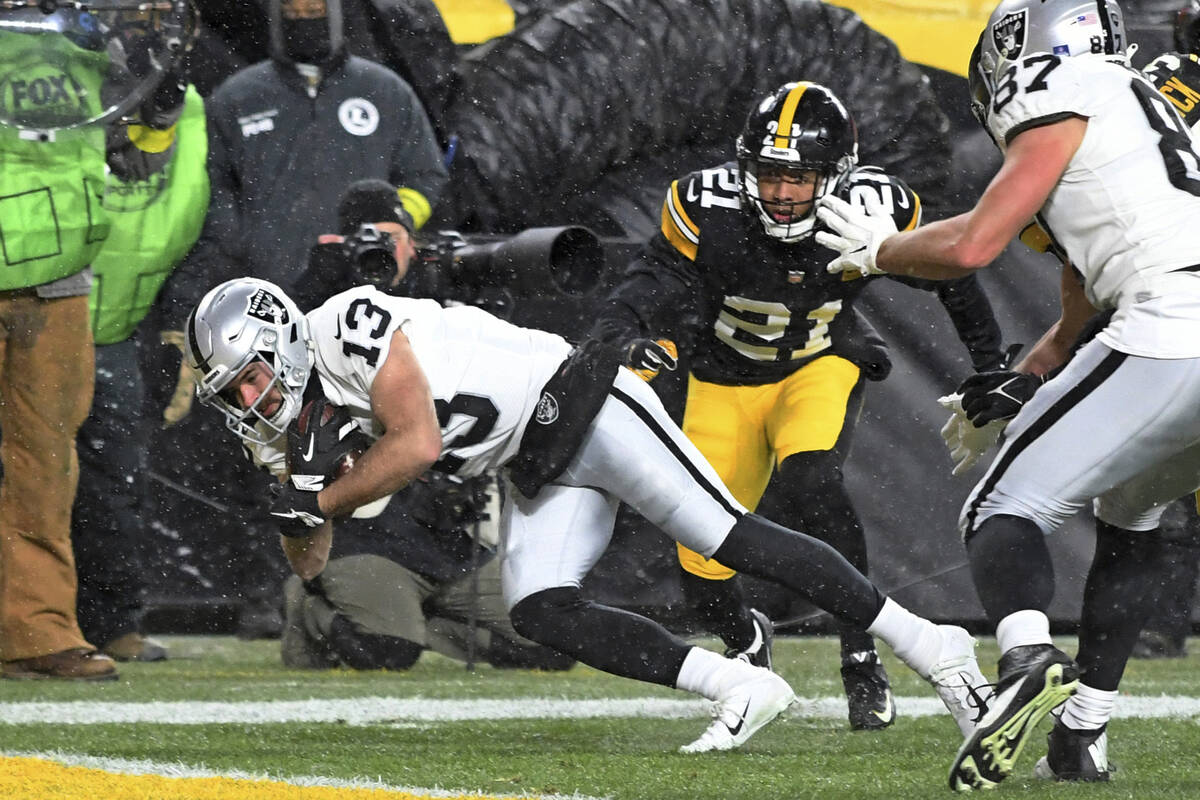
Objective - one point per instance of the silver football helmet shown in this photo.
(1060, 27)
(237, 323)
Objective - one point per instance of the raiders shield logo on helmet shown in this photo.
(1009, 34)
(265, 306)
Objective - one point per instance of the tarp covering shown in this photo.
(600, 86)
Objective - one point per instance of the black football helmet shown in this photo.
(1187, 28)
(799, 127)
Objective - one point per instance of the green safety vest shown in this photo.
(155, 222)
(51, 221)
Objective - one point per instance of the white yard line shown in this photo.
(383, 710)
(179, 770)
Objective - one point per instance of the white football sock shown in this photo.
(1088, 708)
(704, 671)
(1022, 628)
(915, 640)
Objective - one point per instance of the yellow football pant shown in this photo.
(745, 431)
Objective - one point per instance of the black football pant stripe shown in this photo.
(661, 434)
(1057, 411)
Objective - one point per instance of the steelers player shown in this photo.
(1177, 74)
(778, 354)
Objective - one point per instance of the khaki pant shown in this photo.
(381, 597)
(46, 375)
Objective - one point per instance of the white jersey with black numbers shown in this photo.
(485, 374)
(1125, 210)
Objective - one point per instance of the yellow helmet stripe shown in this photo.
(783, 128)
(916, 215)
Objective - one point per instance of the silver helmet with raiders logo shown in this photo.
(1019, 28)
(238, 323)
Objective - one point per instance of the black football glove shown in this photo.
(295, 510)
(316, 446)
(1003, 359)
(647, 356)
(989, 396)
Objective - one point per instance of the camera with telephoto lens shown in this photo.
(559, 260)
(371, 254)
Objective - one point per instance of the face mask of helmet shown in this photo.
(240, 324)
(798, 137)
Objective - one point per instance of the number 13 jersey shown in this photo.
(1124, 210)
(485, 374)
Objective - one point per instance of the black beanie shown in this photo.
(368, 201)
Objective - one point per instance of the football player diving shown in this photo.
(779, 355)
(573, 434)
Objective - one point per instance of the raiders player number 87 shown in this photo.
(1111, 173)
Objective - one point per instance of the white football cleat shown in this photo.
(957, 679)
(744, 708)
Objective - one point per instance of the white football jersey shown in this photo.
(485, 374)
(1123, 210)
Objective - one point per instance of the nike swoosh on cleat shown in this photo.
(886, 715)
(736, 729)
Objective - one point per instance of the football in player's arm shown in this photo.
(573, 434)
(778, 355)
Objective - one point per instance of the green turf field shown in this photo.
(802, 755)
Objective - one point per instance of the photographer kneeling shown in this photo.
(421, 573)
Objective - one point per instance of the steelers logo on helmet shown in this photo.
(797, 144)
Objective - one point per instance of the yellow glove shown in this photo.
(185, 387)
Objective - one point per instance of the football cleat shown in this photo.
(957, 680)
(868, 693)
(758, 654)
(743, 709)
(1075, 755)
(1034, 680)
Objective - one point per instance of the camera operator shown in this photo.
(374, 244)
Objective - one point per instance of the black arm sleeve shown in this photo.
(972, 316)
(657, 296)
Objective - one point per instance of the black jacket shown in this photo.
(279, 160)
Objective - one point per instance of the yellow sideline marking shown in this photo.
(43, 779)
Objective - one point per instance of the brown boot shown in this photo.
(134, 646)
(76, 664)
